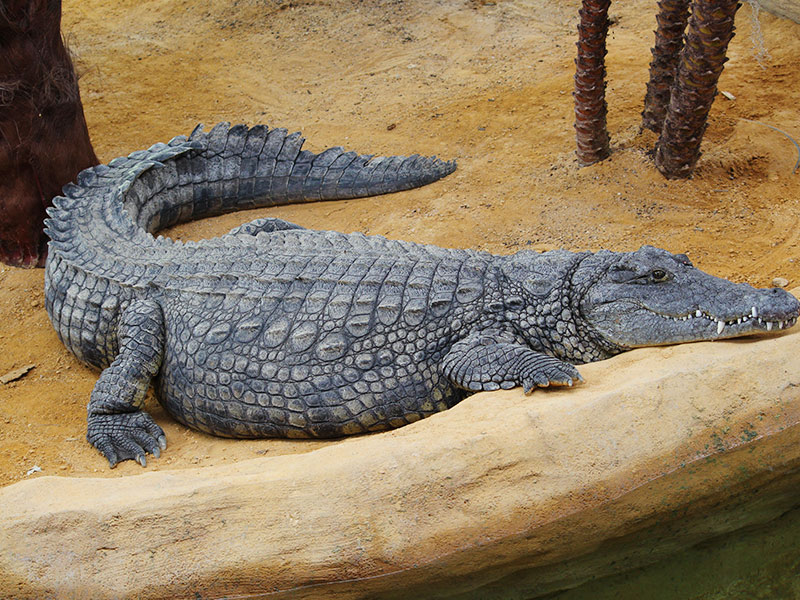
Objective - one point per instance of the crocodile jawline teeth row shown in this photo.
(722, 323)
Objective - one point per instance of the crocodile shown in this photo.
(274, 330)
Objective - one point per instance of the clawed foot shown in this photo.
(556, 373)
(126, 436)
(483, 362)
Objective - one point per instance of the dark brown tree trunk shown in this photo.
(590, 86)
(701, 62)
(44, 141)
(671, 18)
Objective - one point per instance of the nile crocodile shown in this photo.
(276, 330)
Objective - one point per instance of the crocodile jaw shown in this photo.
(728, 327)
(632, 324)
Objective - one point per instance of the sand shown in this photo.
(487, 83)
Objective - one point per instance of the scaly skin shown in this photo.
(276, 330)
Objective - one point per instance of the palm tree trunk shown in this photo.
(701, 62)
(590, 87)
(44, 142)
(671, 18)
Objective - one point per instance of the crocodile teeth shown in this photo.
(722, 323)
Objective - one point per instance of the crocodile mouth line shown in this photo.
(753, 318)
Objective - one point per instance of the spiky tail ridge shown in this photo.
(219, 171)
(268, 167)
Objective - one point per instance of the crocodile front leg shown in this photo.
(118, 427)
(490, 360)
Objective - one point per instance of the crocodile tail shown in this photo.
(233, 168)
(271, 164)
(111, 211)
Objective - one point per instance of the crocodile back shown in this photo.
(344, 340)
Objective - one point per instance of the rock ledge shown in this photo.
(502, 496)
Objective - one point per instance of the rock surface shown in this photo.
(783, 8)
(502, 496)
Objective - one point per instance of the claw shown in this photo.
(540, 380)
(125, 436)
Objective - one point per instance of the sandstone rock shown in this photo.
(789, 9)
(502, 496)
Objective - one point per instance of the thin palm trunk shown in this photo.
(701, 62)
(590, 87)
(672, 18)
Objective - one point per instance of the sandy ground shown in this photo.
(487, 83)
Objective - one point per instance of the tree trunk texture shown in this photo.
(44, 141)
(672, 18)
(590, 86)
(700, 65)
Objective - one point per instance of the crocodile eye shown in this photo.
(658, 275)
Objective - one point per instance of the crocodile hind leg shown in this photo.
(118, 427)
(265, 225)
(485, 361)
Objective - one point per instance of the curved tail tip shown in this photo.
(442, 168)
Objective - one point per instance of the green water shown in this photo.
(751, 564)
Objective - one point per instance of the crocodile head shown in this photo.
(652, 297)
